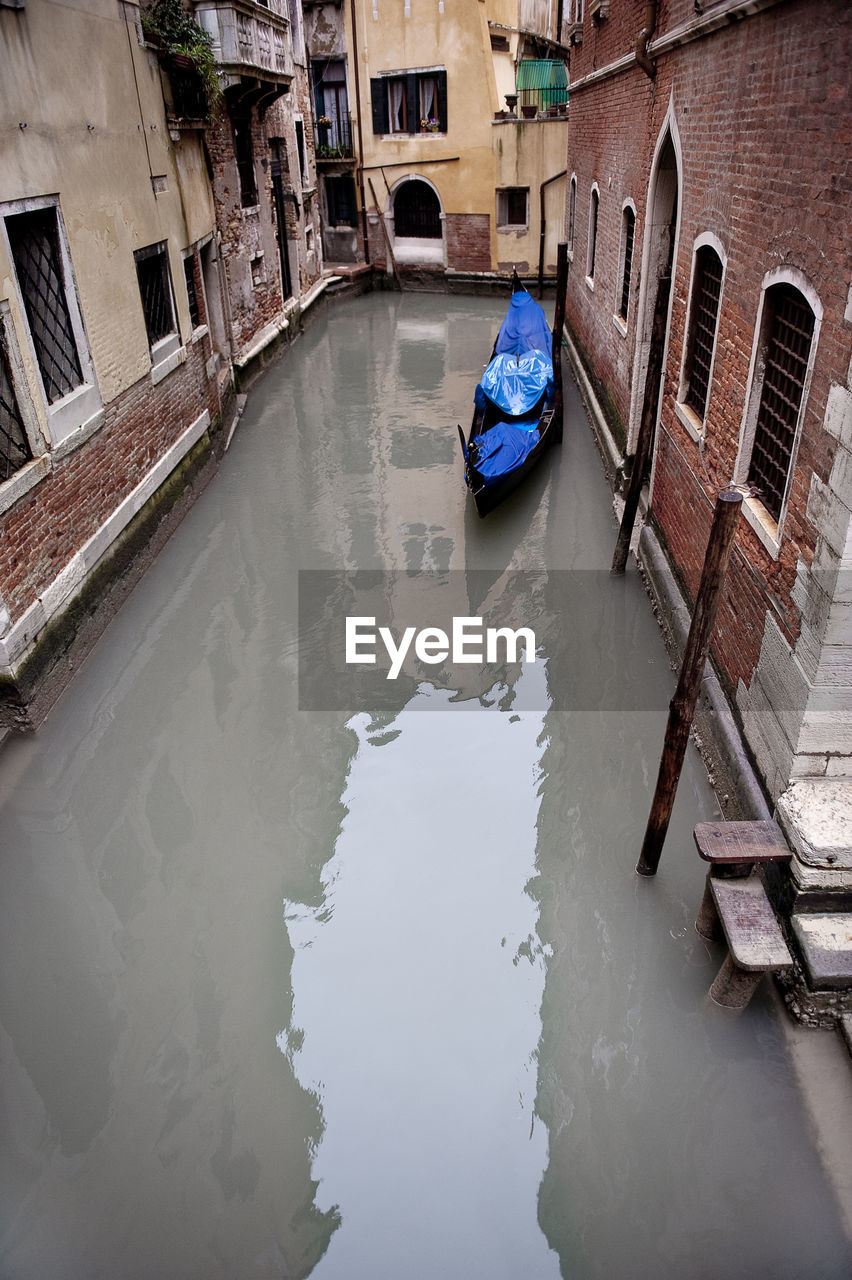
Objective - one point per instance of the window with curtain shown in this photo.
(397, 114)
(412, 102)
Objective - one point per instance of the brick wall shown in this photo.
(468, 241)
(763, 132)
(246, 233)
(42, 532)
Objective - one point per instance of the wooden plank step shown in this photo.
(743, 842)
(753, 933)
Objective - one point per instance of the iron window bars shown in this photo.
(14, 446)
(34, 241)
(191, 291)
(152, 270)
(789, 333)
(706, 291)
(629, 230)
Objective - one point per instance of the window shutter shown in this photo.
(379, 95)
(441, 77)
(412, 104)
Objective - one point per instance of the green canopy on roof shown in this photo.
(541, 73)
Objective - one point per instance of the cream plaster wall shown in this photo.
(458, 41)
(95, 133)
(527, 154)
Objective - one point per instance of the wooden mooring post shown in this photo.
(682, 706)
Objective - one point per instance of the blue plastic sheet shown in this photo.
(516, 383)
(524, 328)
(503, 448)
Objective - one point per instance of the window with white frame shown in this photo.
(782, 367)
(34, 239)
(571, 213)
(513, 205)
(15, 449)
(628, 231)
(155, 291)
(47, 291)
(701, 327)
(591, 247)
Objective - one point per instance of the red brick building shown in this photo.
(712, 141)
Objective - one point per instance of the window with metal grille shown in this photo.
(417, 211)
(244, 154)
(628, 228)
(191, 292)
(155, 288)
(340, 198)
(14, 445)
(34, 241)
(593, 234)
(788, 330)
(706, 291)
(513, 207)
(572, 210)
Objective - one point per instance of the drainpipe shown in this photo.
(360, 135)
(546, 183)
(647, 64)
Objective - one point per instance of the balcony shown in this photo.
(333, 141)
(249, 39)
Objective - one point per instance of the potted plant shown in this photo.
(184, 46)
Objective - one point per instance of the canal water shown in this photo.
(299, 978)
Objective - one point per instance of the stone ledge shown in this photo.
(816, 817)
(825, 940)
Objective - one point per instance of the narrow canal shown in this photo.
(294, 985)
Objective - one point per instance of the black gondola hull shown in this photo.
(488, 494)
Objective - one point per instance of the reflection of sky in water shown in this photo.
(417, 992)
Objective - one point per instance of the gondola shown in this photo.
(518, 403)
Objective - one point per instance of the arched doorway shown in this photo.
(418, 223)
(661, 228)
(417, 211)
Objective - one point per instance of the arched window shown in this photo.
(628, 228)
(417, 211)
(787, 334)
(593, 234)
(703, 322)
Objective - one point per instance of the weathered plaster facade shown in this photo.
(462, 161)
(91, 167)
(136, 277)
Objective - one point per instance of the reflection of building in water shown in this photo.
(153, 1116)
(417, 983)
(647, 1094)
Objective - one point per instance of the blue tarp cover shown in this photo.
(524, 328)
(502, 448)
(516, 383)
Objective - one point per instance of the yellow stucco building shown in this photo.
(451, 178)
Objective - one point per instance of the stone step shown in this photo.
(825, 939)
